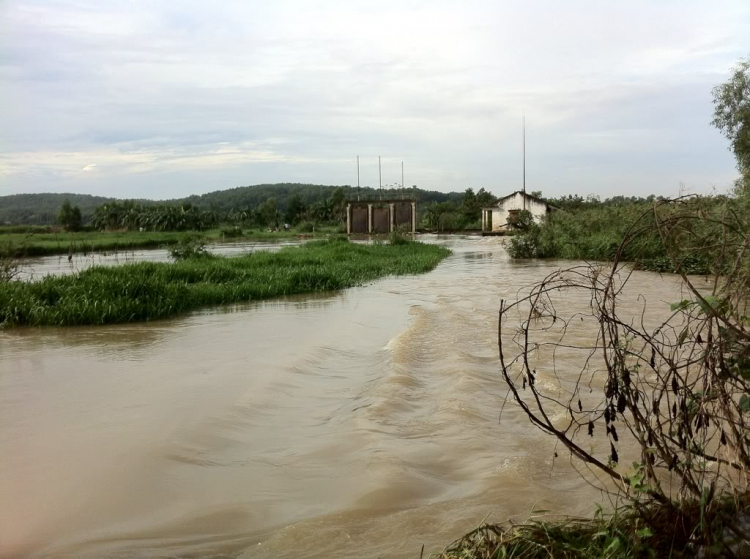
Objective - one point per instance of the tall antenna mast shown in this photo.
(402, 180)
(358, 178)
(380, 179)
(524, 162)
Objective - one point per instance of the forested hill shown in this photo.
(252, 196)
(42, 209)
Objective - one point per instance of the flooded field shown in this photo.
(359, 423)
(36, 268)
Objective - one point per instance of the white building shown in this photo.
(498, 217)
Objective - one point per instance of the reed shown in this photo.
(38, 241)
(649, 531)
(148, 291)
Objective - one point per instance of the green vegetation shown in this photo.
(459, 214)
(70, 216)
(589, 229)
(675, 396)
(650, 531)
(595, 233)
(29, 244)
(148, 291)
(43, 209)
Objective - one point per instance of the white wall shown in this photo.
(500, 214)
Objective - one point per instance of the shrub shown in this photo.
(672, 398)
(396, 238)
(306, 227)
(189, 247)
(232, 232)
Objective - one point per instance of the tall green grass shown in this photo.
(148, 291)
(38, 241)
(596, 233)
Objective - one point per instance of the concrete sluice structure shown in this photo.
(366, 217)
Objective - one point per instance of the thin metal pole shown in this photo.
(524, 162)
(380, 179)
(358, 178)
(402, 180)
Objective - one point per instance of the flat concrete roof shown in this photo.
(385, 201)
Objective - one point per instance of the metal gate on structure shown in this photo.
(381, 216)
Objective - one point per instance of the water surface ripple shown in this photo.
(363, 422)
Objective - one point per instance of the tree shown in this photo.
(485, 199)
(70, 216)
(732, 113)
(470, 207)
(295, 209)
(267, 213)
(732, 117)
(338, 204)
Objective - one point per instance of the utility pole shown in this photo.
(524, 162)
(380, 178)
(402, 180)
(358, 178)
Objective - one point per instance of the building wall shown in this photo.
(359, 220)
(500, 214)
(381, 219)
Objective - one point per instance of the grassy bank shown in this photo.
(40, 242)
(596, 233)
(649, 531)
(148, 291)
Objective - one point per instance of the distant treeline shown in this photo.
(44, 209)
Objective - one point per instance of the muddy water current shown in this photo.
(358, 423)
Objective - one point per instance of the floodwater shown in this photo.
(358, 423)
(60, 264)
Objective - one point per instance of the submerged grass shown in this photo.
(19, 242)
(649, 531)
(147, 290)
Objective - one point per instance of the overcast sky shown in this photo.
(162, 99)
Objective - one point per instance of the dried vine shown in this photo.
(672, 395)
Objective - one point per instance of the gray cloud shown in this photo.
(165, 99)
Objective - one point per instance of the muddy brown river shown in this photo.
(358, 423)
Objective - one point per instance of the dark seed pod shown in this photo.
(608, 430)
(524, 383)
(700, 340)
(674, 410)
(621, 403)
(614, 456)
(636, 396)
(609, 390)
(555, 454)
(591, 428)
(612, 411)
(580, 407)
(650, 439)
(606, 415)
(653, 358)
(656, 407)
(613, 432)
(626, 378)
(672, 463)
(675, 386)
(650, 458)
(723, 439)
(531, 379)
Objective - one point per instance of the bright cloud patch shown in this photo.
(151, 95)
